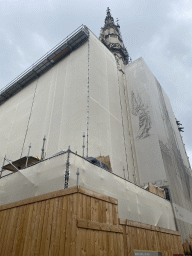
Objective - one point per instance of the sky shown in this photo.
(158, 31)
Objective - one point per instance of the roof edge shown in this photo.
(65, 47)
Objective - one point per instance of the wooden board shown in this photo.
(78, 222)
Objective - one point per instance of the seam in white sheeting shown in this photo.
(52, 107)
(22, 174)
(135, 166)
(106, 110)
(88, 93)
(62, 108)
(122, 120)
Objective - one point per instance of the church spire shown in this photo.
(109, 19)
(110, 36)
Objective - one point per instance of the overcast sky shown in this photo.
(158, 30)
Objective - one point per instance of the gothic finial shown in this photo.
(109, 19)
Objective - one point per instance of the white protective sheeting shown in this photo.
(146, 121)
(134, 203)
(160, 151)
(56, 109)
(55, 106)
(42, 178)
(182, 214)
(106, 135)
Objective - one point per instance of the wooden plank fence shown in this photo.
(77, 221)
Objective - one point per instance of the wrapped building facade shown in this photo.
(91, 86)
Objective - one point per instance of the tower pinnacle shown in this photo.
(109, 19)
(110, 36)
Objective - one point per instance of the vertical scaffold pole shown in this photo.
(2, 167)
(133, 178)
(83, 144)
(28, 156)
(77, 173)
(43, 149)
(124, 172)
(67, 169)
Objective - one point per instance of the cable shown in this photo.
(29, 118)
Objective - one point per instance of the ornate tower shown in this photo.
(111, 37)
